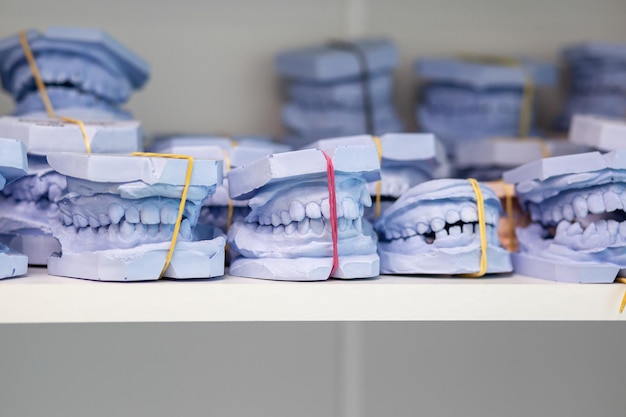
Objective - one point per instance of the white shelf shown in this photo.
(40, 298)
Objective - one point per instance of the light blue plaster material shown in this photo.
(433, 229)
(287, 235)
(576, 204)
(13, 164)
(598, 132)
(116, 221)
(325, 63)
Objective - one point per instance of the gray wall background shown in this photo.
(294, 369)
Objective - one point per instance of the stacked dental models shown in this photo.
(434, 229)
(339, 89)
(597, 81)
(87, 74)
(288, 234)
(29, 205)
(236, 151)
(487, 159)
(118, 219)
(407, 159)
(13, 164)
(476, 98)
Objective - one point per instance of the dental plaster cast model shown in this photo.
(596, 81)
(87, 74)
(433, 229)
(288, 233)
(600, 133)
(408, 159)
(487, 159)
(466, 99)
(239, 151)
(117, 220)
(13, 164)
(576, 204)
(339, 89)
(29, 204)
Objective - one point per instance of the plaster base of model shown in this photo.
(564, 270)
(38, 247)
(204, 259)
(12, 264)
(306, 269)
(443, 261)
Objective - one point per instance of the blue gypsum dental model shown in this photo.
(288, 234)
(117, 220)
(434, 229)
(28, 205)
(13, 164)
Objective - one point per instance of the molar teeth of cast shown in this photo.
(589, 232)
(67, 219)
(441, 234)
(93, 222)
(126, 230)
(557, 215)
(469, 214)
(313, 210)
(535, 212)
(116, 212)
(291, 228)
(575, 229)
(275, 219)
(365, 199)
(437, 224)
(455, 231)
(280, 229)
(304, 226)
(595, 202)
(546, 216)
(103, 219)
(408, 232)
(80, 221)
(264, 229)
(562, 227)
(132, 215)
(152, 229)
(317, 226)
(54, 192)
(168, 215)
(580, 207)
(285, 218)
(296, 211)
(140, 229)
(468, 228)
(568, 212)
(612, 201)
(265, 219)
(452, 216)
(185, 229)
(150, 214)
(422, 228)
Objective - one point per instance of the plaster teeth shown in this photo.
(365, 198)
(613, 229)
(152, 229)
(185, 229)
(452, 216)
(116, 212)
(358, 224)
(304, 226)
(54, 192)
(361, 210)
(291, 228)
(284, 217)
(455, 231)
(442, 234)
(279, 229)
(275, 219)
(93, 222)
(343, 224)
(595, 202)
(349, 209)
(396, 234)
(126, 230)
(265, 220)
(562, 227)
(296, 211)
(612, 201)
(408, 232)
(580, 207)
(140, 229)
(469, 214)
(168, 215)
(339, 210)
(556, 214)
(267, 229)
(317, 226)
(575, 229)
(546, 217)
(80, 221)
(422, 228)
(622, 230)
(104, 219)
(590, 231)
(325, 208)
(150, 214)
(67, 219)
(535, 213)
(437, 224)
(468, 228)
(313, 211)
(568, 212)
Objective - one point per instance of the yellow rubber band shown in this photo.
(509, 193)
(33, 68)
(621, 307)
(28, 53)
(83, 131)
(528, 93)
(379, 149)
(181, 206)
(482, 227)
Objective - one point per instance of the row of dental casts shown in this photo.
(115, 216)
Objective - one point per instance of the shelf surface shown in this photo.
(40, 298)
